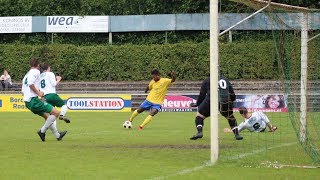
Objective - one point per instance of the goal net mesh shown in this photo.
(267, 77)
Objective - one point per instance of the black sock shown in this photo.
(235, 131)
(199, 123)
(233, 123)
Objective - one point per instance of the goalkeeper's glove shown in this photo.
(193, 104)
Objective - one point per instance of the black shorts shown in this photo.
(263, 130)
(204, 108)
(226, 108)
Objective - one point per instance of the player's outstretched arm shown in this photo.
(271, 127)
(173, 76)
(231, 92)
(58, 79)
(203, 91)
(227, 130)
(193, 104)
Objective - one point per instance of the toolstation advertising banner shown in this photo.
(74, 102)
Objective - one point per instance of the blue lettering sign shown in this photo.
(78, 103)
(60, 21)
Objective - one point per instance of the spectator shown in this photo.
(5, 81)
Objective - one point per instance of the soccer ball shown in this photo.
(127, 125)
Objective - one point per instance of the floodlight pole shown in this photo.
(214, 70)
(304, 76)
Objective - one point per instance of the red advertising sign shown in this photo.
(178, 103)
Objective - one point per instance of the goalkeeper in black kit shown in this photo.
(226, 98)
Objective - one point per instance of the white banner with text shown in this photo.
(17, 24)
(76, 24)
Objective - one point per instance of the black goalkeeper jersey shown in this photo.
(226, 92)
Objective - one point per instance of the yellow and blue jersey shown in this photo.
(158, 90)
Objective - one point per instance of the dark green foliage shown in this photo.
(100, 7)
(123, 7)
(103, 38)
(303, 3)
(241, 60)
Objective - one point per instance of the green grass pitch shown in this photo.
(98, 147)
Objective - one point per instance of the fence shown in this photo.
(138, 23)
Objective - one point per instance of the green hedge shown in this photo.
(119, 7)
(123, 7)
(100, 7)
(243, 60)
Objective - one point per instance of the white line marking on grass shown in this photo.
(295, 166)
(184, 171)
(259, 151)
(206, 164)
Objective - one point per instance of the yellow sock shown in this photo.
(147, 120)
(133, 115)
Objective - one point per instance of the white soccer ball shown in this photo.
(127, 125)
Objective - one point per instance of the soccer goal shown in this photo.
(278, 51)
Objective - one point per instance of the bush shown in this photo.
(243, 60)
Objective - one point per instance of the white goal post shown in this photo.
(214, 64)
(214, 71)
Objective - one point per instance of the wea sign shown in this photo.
(77, 24)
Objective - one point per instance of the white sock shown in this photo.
(64, 109)
(54, 129)
(48, 123)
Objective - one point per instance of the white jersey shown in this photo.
(48, 83)
(32, 77)
(257, 122)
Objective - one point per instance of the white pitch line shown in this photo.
(206, 164)
(296, 166)
(184, 171)
(259, 151)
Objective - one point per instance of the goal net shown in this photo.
(273, 60)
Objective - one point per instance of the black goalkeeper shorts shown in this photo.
(226, 108)
(204, 108)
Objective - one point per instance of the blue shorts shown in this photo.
(148, 105)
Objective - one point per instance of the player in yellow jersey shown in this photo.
(158, 87)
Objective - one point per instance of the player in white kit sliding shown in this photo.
(30, 91)
(48, 83)
(255, 122)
